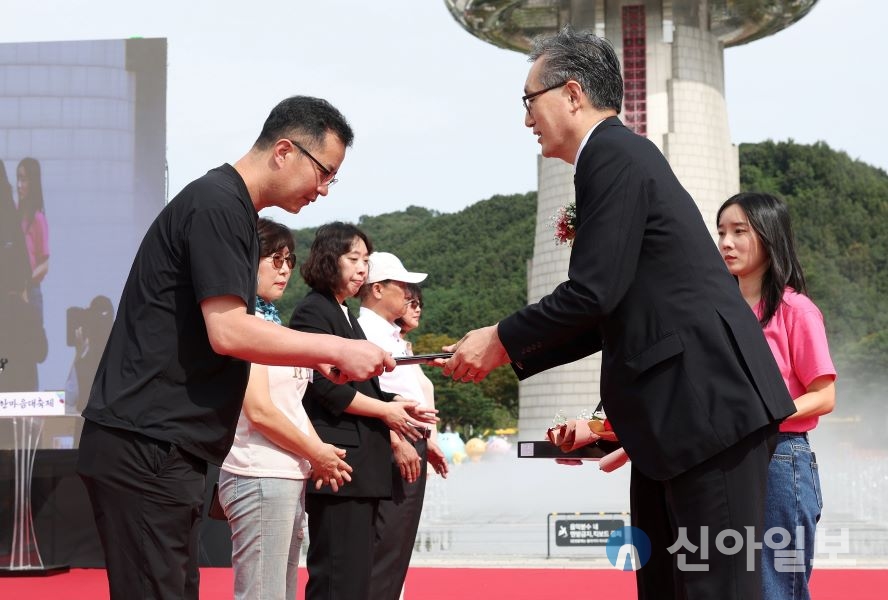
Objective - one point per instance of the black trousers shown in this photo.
(147, 498)
(705, 506)
(396, 527)
(340, 546)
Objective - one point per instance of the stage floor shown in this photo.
(446, 583)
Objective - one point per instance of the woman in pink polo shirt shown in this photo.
(758, 247)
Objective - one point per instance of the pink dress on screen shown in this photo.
(36, 238)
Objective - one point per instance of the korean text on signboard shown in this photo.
(585, 532)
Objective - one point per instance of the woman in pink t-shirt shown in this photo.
(33, 217)
(758, 247)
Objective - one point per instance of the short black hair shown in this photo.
(273, 237)
(307, 118)
(414, 292)
(320, 271)
(587, 59)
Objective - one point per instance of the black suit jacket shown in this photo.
(365, 439)
(686, 371)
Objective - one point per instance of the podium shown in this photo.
(27, 410)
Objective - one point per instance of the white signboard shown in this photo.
(31, 404)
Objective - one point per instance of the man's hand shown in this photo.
(478, 353)
(437, 459)
(360, 360)
(407, 459)
(328, 466)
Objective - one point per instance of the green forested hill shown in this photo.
(840, 215)
(477, 265)
(476, 260)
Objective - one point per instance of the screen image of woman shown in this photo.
(33, 219)
(23, 342)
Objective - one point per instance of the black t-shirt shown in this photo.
(158, 375)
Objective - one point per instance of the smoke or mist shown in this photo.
(852, 456)
(496, 509)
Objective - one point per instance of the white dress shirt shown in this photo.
(400, 381)
(583, 143)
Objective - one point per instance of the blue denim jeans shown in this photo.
(792, 511)
(265, 515)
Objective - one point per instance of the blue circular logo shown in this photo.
(628, 548)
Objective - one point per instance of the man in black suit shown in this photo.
(687, 379)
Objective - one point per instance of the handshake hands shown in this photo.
(577, 433)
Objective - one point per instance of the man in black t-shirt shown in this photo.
(168, 391)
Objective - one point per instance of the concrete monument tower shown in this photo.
(673, 70)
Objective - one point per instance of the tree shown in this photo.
(477, 265)
(839, 209)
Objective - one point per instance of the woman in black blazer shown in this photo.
(355, 416)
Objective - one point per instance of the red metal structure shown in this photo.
(634, 69)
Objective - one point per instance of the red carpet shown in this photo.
(426, 583)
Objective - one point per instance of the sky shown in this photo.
(436, 112)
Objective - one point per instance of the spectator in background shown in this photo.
(32, 215)
(384, 300)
